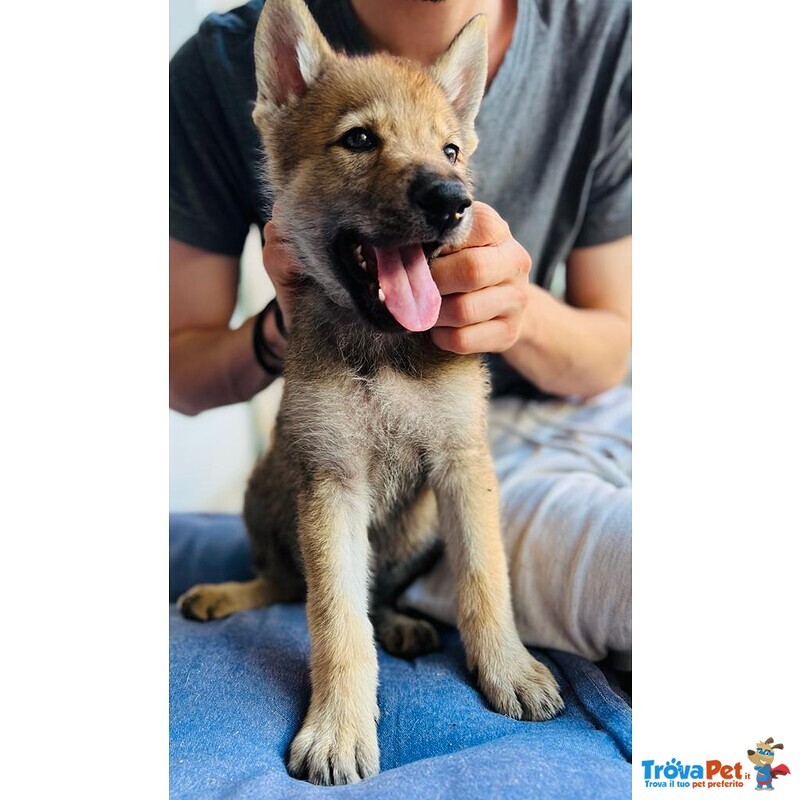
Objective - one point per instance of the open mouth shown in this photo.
(390, 283)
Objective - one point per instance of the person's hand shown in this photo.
(484, 287)
(281, 266)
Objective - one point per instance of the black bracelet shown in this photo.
(262, 351)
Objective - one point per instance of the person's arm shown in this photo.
(579, 348)
(210, 364)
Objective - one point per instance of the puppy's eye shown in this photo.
(359, 139)
(451, 151)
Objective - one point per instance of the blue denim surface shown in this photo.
(239, 688)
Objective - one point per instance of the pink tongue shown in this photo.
(411, 295)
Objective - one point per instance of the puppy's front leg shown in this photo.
(515, 683)
(338, 741)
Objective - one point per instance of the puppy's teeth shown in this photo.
(381, 295)
(357, 250)
(362, 264)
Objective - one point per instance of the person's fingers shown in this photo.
(278, 257)
(281, 266)
(492, 336)
(469, 308)
(478, 267)
(487, 228)
(272, 233)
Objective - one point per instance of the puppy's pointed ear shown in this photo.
(461, 70)
(290, 52)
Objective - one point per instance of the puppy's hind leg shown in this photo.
(402, 635)
(269, 519)
(208, 601)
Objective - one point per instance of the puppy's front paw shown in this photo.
(521, 687)
(330, 753)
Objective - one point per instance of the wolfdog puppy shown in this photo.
(380, 449)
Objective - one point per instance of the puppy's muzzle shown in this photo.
(442, 200)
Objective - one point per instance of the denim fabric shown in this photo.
(206, 548)
(239, 688)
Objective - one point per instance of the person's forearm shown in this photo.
(570, 351)
(210, 368)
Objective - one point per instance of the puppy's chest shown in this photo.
(404, 415)
(404, 422)
(387, 423)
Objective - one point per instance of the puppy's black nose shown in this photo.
(443, 201)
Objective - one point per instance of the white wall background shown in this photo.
(185, 17)
(212, 454)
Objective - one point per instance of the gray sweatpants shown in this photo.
(565, 486)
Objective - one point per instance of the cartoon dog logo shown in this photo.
(762, 757)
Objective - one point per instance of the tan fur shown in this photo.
(377, 428)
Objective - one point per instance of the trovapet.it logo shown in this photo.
(716, 774)
(674, 774)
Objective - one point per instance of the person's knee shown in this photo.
(570, 566)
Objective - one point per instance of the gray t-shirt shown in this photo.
(554, 157)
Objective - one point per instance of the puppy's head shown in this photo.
(367, 158)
